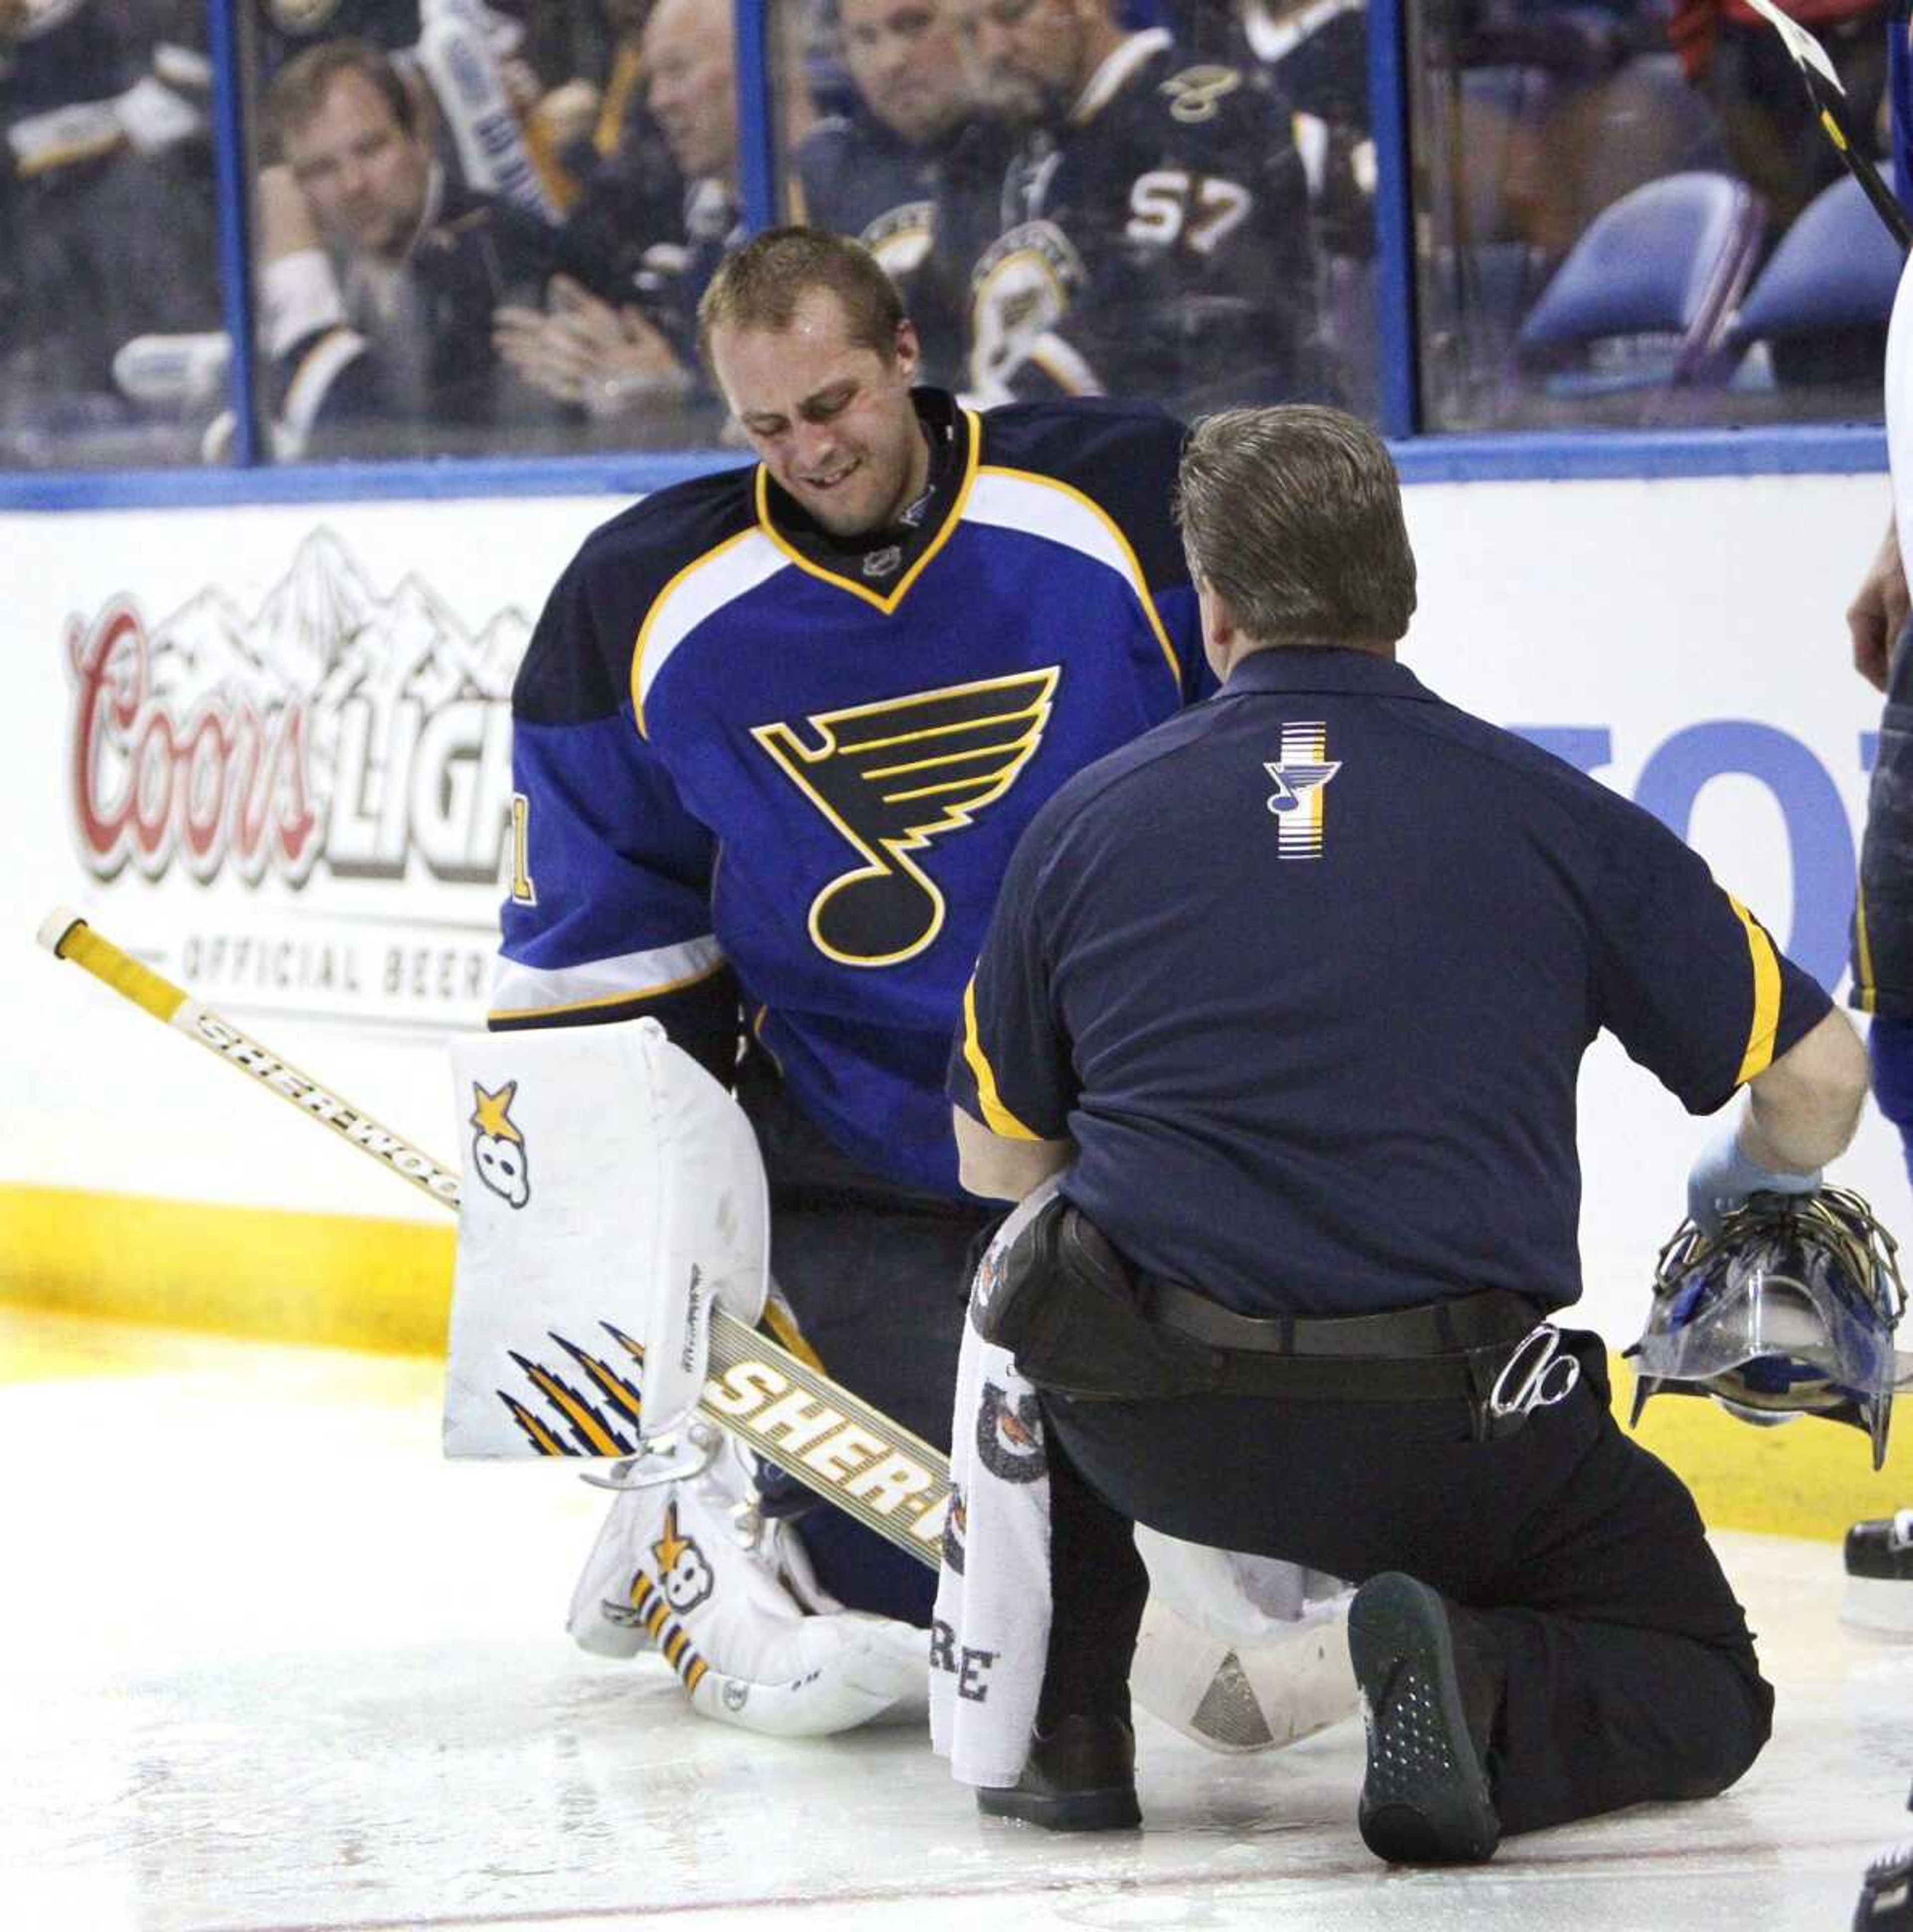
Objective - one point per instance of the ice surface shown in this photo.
(268, 1663)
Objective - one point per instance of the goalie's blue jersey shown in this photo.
(726, 753)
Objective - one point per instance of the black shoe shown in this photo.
(1425, 1799)
(1081, 1777)
(1886, 1894)
(1879, 1576)
(1882, 1550)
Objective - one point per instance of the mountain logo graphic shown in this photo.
(331, 728)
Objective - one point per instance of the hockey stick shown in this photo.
(831, 1441)
(1824, 89)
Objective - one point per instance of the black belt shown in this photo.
(1431, 1328)
(1084, 1324)
(1436, 1349)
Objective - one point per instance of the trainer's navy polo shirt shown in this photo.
(1307, 974)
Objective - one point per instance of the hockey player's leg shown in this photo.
(853, 1563)
(1879, 1552)
(1241, 1653)
(690, 1565)
(878, 1293)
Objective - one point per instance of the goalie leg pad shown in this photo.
(1241, 1653)
(728, 1599)
(607, 1177)
(852, 1669)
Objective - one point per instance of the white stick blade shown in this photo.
(1806, 51)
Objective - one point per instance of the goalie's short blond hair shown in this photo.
(760, 285)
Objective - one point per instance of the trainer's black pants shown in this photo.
(1631, 1674)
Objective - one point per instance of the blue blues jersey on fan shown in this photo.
(1156, 242)
(731, 751)
(1317, 58)
(926, 212)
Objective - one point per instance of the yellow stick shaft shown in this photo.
(120, 971)
(69, 936)
(747, 1368)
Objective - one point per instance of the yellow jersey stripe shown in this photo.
(997, 1117)
(1766, 1020)
(782, 1321)
(601, 1000)
(1865, 992)
(1133, 565)
(757, 1033)
(640, 674)
(886, 603)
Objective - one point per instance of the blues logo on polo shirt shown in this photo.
(1300, 777)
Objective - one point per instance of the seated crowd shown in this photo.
(483, 228)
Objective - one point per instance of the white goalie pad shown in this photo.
(613, 1195)
(691, 1568)
(1241, 1653)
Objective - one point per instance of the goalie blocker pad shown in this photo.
(613, 1195)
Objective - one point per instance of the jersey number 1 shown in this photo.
(524, 892)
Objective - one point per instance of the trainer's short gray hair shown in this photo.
(1294, 515)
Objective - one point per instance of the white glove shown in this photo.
(1722, 1177)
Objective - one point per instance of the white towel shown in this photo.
(992, 1632)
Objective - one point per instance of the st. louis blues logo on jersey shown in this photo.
(1300, 775)
(893, 776)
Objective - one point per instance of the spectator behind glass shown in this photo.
(914, 168)
(1571, 106)
(588, 112)
(285, 29)
(109, 348)
(630, 196)
(1156, 239)
(1531, 117)
(620, 338)
(548, 57)
(1739, 64)
(1315, 53)
(380, 278)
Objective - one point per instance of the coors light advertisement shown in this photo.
(304, 808)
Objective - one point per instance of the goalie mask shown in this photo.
(1789, 1310)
